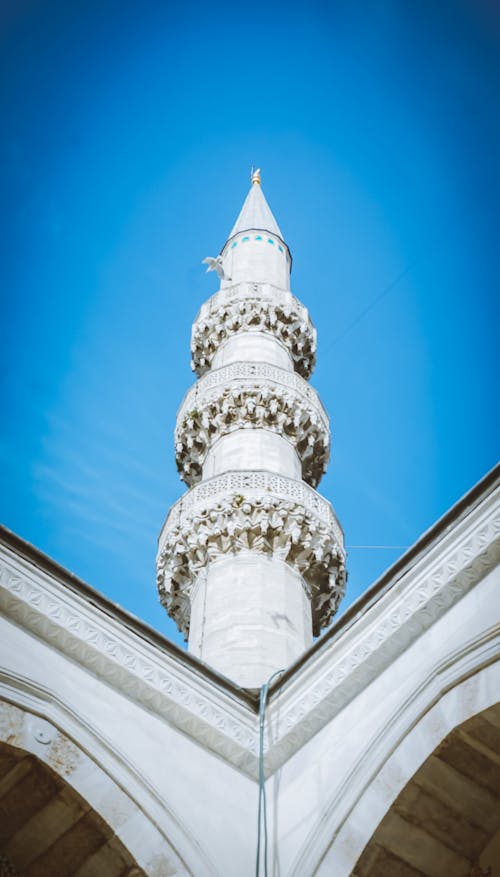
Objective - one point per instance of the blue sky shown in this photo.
(128, 132)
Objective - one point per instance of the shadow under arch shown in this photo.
(46, 827)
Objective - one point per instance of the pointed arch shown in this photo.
(465, 685)
(124, 808)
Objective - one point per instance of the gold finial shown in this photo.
(255, 175)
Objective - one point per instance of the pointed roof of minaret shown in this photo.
(256, 212)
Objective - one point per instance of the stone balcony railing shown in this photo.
(258, 512)
(248, 307)
(246, 395)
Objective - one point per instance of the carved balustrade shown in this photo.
(246, 307)
(255, 511)
(252, 395)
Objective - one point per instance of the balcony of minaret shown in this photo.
(250, 566)
(247, 415)
(254, 322)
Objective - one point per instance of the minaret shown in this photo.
(251, 560)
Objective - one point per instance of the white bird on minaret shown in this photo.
(215, 265)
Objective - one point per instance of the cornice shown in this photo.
(250, 484)
(349, 662)
(206, 707)
(451, 559)
(253, 307)
(252, 395)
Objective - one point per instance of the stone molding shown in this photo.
(127, 661)
(259, 512)
(253, 307)
(251, 484)
(386, 629)
(252, 395)
(192, 701)
(461, 686)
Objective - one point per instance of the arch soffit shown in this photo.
(46, 825)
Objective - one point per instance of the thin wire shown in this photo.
(374, 301)
(262, 808)
(415, 261)
(350, 547)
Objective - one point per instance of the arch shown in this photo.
(439, 716)
(446, 820)
(32, 725)
(461, 685)
(46, 826)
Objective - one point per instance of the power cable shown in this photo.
(350, 547)
(262, 808)
(373, 303)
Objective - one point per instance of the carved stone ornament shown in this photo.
(253, 519)
(246, 307)
(252, 395)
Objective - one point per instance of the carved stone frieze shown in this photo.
(111, 652)
(415, 600)
(247, 307)
(252, 395)
(251, 484)
(260, 521)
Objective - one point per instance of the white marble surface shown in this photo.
(257, 259)
(250, 617)
(247, 448)
(253, 347)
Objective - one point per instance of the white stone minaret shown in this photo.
(251, 560)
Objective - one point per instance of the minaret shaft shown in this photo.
(250, 616)
(251, 559)
(250, 449)
(250, 611)
(253, 347)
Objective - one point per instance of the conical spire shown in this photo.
(256, 213)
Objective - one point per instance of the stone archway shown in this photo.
(43, 770)
(46, 827)
(446, 820)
